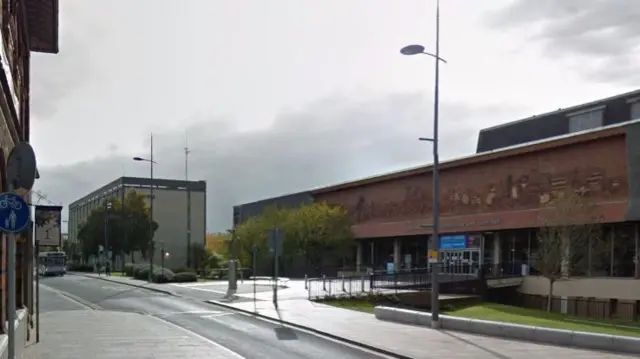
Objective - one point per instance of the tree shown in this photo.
(570, 231)
(317, 234)
(128, 226)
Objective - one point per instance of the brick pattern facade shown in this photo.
(493, 191)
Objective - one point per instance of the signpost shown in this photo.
(14, 218)
(15, 215)
(275, 247)
(254, 254)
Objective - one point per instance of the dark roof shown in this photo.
(551, 124)
(141, 182)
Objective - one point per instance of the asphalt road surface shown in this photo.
(250, 337)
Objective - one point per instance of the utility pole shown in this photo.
(186, 178)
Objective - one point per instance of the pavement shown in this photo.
(117, 320)
(406, 341)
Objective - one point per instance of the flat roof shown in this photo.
(141, 182)
(567, 110)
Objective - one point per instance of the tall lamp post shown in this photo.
(186, 178)
(151, 163)
(420, 50)
(107, 208)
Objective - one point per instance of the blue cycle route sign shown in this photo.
(14, 213)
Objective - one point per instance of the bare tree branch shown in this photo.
(570, 231)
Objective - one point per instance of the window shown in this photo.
(586, 120)
(635, 110)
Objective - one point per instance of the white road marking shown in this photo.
(207, 290)
(230, 353)
(72, 298)
(216, 315)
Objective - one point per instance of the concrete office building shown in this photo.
(169, 210)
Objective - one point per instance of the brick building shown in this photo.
(26, 26)
(491, 201)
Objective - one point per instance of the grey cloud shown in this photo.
(331, 141)
(55, 77)
(603, 33)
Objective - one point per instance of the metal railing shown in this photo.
(381, 282)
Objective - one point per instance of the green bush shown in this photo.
(141, 271)
(162, 275)
(77, 267)
(128, 269)
(181, 270)
(185, 277)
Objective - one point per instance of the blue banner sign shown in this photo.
(458, 241)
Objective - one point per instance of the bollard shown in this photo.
(324, 283)
(306, 283)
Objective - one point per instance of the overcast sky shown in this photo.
(280, 96)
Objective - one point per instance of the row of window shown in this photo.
(593, 118)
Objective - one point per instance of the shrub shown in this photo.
(128, 269)
(141, 271)
(181, 270)
(162, 275)
(185, 277)
(77, 267)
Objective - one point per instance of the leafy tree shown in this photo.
(217, 242)
(317, 234)
(571, 230)
(128, 226)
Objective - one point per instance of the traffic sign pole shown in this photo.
(14, 218)
(15, 215)
(11, 313)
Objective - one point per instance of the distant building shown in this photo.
(169, 210)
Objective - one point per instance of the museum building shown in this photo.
(491, 202)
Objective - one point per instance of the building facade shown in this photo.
(26, 26)
(491, 203)
(170, 211)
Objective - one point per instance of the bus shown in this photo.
(52, 263)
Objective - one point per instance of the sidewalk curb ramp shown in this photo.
(310, 329)
(106, 279)
(566, 338)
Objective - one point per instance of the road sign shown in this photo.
(21, 167)
(15, 213)
(276, 237)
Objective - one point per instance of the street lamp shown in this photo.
(420, 50)
(151, 163)
(107, 208)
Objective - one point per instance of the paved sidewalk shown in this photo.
(410, 341)
(100, 334)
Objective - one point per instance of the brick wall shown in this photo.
(505, 192)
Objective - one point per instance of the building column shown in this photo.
(359, 257)
(565, 264)
(497, 255)
(397, 251)
(373, 255)
(636, 257)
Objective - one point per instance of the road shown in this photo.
(247, 336)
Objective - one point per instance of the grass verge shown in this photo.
(539, 318)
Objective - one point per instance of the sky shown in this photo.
(279, 96)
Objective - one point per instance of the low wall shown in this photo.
(21, 328)
(587, 287)
(514, 331)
